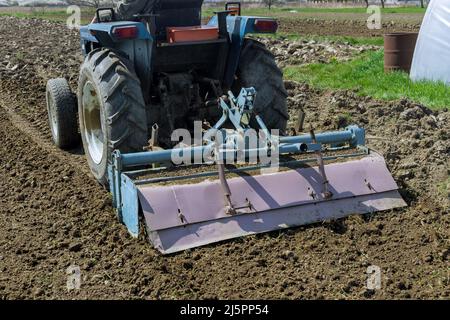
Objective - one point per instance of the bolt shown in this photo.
(230, 210)
(311, 193)
(368, 185)
(327, 195)
(181, 216)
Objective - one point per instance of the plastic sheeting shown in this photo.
(431, 59)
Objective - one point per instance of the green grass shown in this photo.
(365, 74)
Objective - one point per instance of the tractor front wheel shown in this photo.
(111, 110)
(257, 68)
(62, 113)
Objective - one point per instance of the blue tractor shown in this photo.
(150, 67)
(152, 64)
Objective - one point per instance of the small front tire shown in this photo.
(62, 114)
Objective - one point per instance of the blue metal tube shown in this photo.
(149, 157)
(326, 138)
(352, 134)
(256, 153)
(293, 144)
(298, 147)
(196, 153)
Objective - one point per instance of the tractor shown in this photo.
(152, 67)
(162, 68)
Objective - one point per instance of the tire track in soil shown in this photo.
(39, 139)
(52, 216)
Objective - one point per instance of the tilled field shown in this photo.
(299, 52)
(54, 215)
(345, 27)
(346, 24)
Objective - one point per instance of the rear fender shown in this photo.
(138, 49)
(102, 34)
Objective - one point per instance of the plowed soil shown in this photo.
(351, 24)
(54, 215)
(299, 52)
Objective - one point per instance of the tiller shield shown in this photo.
(314, 184)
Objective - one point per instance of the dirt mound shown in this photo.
(414, 139)
(53, 215)
(311, 51)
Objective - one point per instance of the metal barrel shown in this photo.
(399, 50)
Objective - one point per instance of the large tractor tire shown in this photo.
(257, 68)
(111, 109)
(62, 113)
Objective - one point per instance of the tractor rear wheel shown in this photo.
(111, 109)
(257, 68)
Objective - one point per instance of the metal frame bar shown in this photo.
(363, 152)
(295, 144)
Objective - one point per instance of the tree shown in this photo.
(12, 3)
(269, 3)
(85, 3)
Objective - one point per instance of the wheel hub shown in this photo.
(93, 131)
(52, 115)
